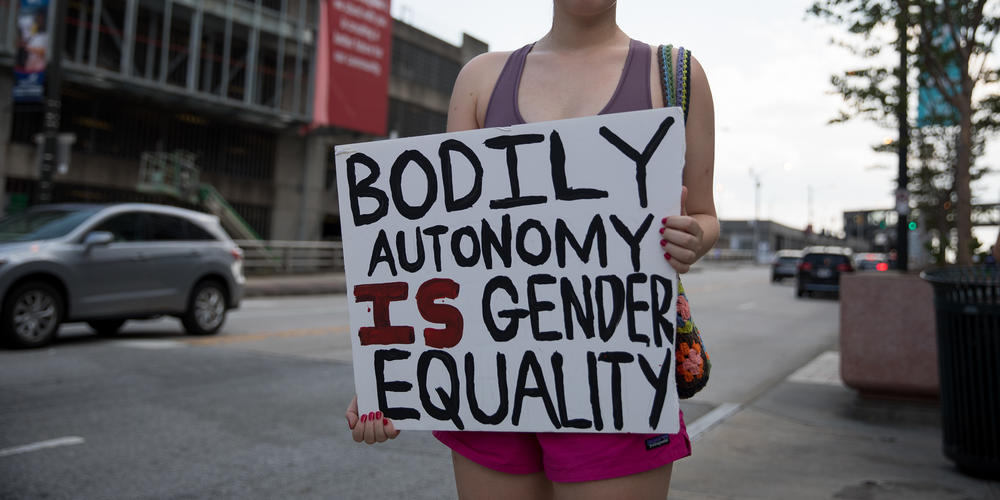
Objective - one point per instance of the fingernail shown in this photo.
(385, 421)
(378, 415)
(364, 417)
(663, 243)
(664, 221)
(666, 256)
(662, 229)
(371, 415)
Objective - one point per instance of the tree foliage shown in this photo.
(950, 43)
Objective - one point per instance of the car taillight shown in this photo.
(844, 267)
(805, 266)
(237, 253)
(882, 266)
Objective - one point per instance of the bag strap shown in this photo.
(676, 77)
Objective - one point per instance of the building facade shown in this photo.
(771, 237)
(227, 85)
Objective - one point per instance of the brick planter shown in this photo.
(888, 343)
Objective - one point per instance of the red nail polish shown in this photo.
(385, 421)
(666, 256)
(662, 229)
(371, 415)
(663, 243)
(378, 415)
(363, 418)
(664, 221)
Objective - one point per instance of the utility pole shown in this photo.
(756, 214)
(53, 102)
(902, 192)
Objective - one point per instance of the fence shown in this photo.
(287, 257)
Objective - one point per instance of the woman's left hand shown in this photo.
(682, 238)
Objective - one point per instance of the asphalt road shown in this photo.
(256, 412)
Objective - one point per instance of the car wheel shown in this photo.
(32, 314)
(206, 309)
(106, 327)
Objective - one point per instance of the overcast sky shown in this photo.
(769, 69)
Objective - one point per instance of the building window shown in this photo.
(419, 65)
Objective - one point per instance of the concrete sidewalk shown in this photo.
(810, 437)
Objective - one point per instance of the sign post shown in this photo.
(512, 279)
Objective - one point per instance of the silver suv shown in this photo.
(105, 264)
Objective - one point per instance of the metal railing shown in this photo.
(288, 257)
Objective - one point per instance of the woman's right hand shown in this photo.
(371, 427)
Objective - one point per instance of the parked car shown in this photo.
(871, 262)
(106, 264)
(820, 269)
(785, 264)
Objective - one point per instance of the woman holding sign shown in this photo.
(586, 65)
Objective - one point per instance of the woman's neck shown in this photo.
(574, 32)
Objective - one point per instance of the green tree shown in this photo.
(951, 42)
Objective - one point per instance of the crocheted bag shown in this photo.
(693, 364)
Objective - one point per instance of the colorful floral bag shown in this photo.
(693, 363)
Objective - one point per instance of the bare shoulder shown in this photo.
(473, 88)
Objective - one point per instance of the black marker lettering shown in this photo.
(364, 189)
(510, 143)
(382, 387)
(641, 160)
(630, 238)
(469, 199)
(450, 400)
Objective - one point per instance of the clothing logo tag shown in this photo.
(654, 442)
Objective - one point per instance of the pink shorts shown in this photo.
(569, 457)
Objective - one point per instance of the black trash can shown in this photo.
(967, 306)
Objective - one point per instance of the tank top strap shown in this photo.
(502, 108)
(633, 92)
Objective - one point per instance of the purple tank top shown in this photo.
(632, 93)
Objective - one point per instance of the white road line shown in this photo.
(41, 445)
(711, 419)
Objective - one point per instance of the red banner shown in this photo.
(353, 59)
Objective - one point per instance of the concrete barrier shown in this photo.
(888, 344)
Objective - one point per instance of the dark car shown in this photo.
(106, 264)
(871, 262)
(785, 265)
(820, 269)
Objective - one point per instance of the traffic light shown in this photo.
(913, 226)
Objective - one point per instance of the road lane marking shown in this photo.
(149, 344)
(715, 417)
(250, 337)
(41, 445)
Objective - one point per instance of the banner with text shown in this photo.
(512, 278)
(353, 63)
(32, 55)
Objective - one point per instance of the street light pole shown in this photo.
(902, 192)
(756, 214)
(53, 103)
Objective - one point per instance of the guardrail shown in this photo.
(288, 257)
(725, 254)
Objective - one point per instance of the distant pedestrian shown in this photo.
(586, 65)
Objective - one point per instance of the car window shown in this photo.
(43, 224)
(825, 259)
(162, 227)
(125, 227)
(196, 233)
(787, 260)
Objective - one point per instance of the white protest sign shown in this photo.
(512, 279)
